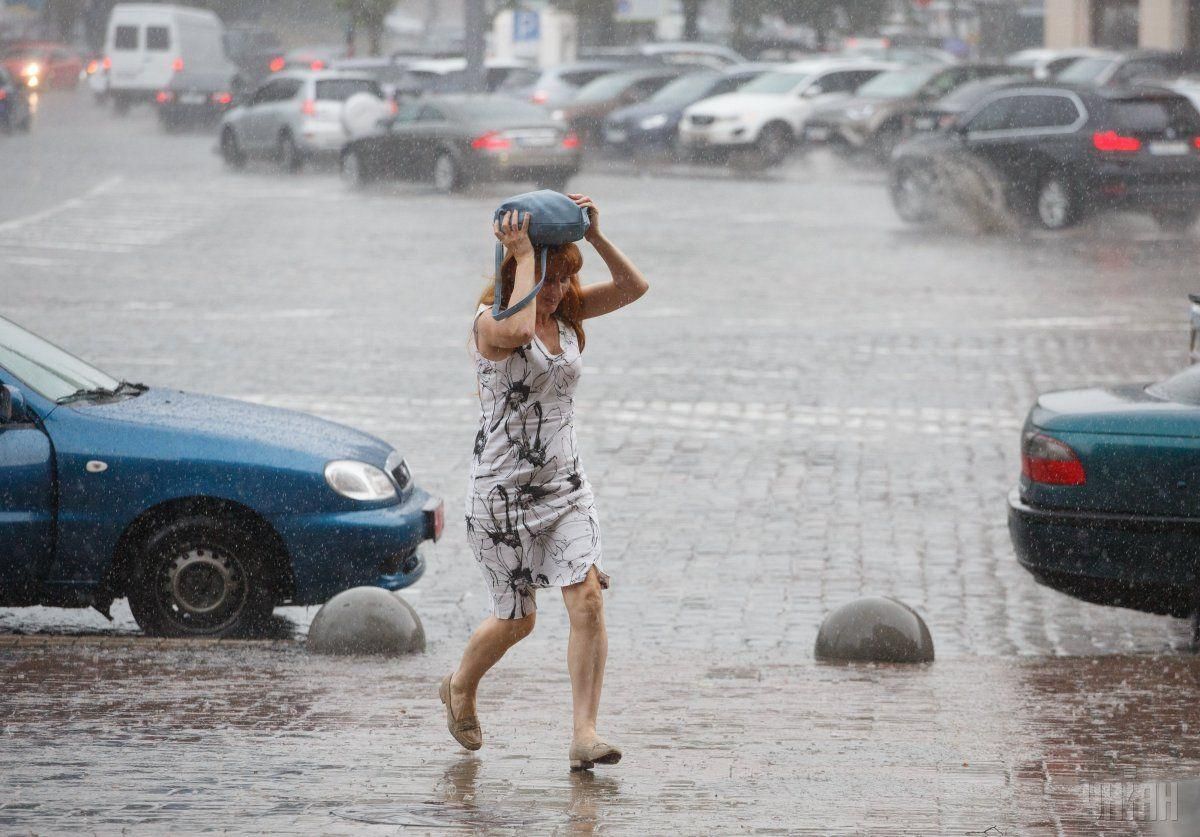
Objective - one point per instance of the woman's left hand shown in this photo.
(593, 229)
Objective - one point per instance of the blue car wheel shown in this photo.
(200, 576)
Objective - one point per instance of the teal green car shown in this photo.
(1108, 505)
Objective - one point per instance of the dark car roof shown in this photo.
(467, 107)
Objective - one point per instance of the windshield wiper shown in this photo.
(80, 394)
(123, 388)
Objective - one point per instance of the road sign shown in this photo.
(526, 26)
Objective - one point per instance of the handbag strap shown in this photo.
(497, 314)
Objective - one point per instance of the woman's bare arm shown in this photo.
(494, 337)
(627, 283)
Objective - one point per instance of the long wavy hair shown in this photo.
(562, 260)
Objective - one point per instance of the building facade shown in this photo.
(1123, 24)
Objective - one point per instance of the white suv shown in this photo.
(293, 117)
(768, 113)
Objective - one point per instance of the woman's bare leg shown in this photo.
(484, 649)
(587, 650)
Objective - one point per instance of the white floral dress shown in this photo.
(531, 517)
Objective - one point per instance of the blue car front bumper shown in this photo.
(1134, 561)
(333, 552)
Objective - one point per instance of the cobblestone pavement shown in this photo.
(814, 402)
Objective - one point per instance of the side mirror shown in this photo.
(12, 405)
(812, 91)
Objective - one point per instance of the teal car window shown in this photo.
(1181, 388)
(44, 367)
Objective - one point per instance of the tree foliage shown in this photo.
(369, 16)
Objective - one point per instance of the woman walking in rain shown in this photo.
(531, 518)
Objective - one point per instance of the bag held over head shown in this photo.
(556, 219)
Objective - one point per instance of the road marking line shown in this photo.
(72, 203)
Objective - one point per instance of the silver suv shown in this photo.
(292, 117)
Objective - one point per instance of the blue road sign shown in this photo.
(527, 26)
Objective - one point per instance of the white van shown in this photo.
(148, 43)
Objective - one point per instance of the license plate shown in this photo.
(924, 123)
(536, 142)
(613, 135)
(192, 98)
(817, 133)
(1168, 148)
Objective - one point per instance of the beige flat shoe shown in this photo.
(585, 756)
(466, 729)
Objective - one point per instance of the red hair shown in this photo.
(562, 260)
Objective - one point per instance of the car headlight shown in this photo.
(652, 122)
(558, 115)
(31, 69)
(359, 480)
(860, 112)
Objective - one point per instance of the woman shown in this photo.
(531, 519)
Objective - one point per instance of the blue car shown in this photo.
(206, 512)
(1108, 505)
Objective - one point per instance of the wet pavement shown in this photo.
(813, 403)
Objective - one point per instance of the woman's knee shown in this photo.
(522, 627)
(586, 606)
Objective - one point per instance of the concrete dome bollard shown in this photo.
(876, 629)
(366, 620)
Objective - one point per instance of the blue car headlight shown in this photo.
(359, 480)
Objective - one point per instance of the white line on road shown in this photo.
(73, 203)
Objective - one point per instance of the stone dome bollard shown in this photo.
(366, 620)
(876, 629)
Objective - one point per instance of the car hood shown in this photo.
(735, 103)
(632, 113)
(239, 423)
(1126, 410)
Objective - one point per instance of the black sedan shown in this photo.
(653, 125)
(455, 140)
(194, 98)
(1106, 509)
(1058, 153)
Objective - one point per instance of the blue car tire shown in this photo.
(200, 576)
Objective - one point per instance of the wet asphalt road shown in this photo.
(814, 402)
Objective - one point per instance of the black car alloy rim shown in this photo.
(202, 588)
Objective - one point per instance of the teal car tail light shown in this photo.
(1046, 460)
(359, 480)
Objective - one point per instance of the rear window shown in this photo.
(484, 109)
(1155, 116)
(1085, 70)
(158, 38)
(126, 37)
(578, 78)
(341, 89)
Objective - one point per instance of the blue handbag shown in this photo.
(556, 220)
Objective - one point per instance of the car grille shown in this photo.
(697, 119)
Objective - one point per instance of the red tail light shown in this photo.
(1196, 142)
(1112, 141)
(3, 94)
(1049, 461)
(540, 97)
(309, 108)
(492, 141)
(277, 64)
(317, 64)
(177, 65)
(571, 140)
(164, 96)
(92, 66)
(222, 98)
(393, 108)
(107, 63)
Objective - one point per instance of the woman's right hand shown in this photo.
(514, 234)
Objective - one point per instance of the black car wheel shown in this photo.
(121, 105)
(885, 140)
(354, 170)
(231, 151)
(26, 124)
(774, 144)
(288, 155)
(1176, 220)
(912, 193)
(447, 174)
(200, 576)
(1055, 205)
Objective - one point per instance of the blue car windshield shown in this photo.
(44, 367)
